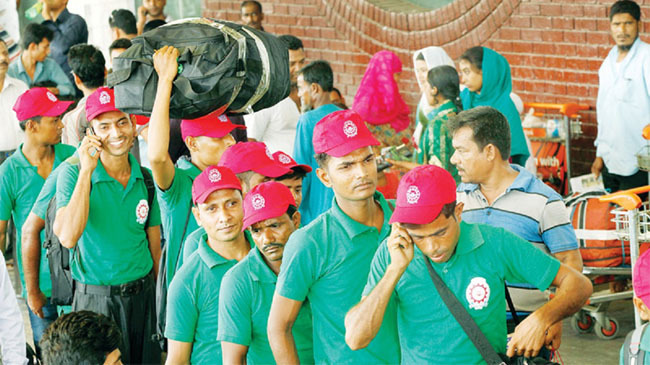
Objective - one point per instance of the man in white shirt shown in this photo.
(275, 126)
(12, 332)
(10, 89)
(623, 104)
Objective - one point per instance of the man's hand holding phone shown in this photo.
(90, 150)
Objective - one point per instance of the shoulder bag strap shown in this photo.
(511, 305)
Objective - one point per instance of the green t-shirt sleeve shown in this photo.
(154, 213)
(525, 263)
(182, 311)
(65, 185)
(6, 193)
(47, 193)
(300, 267)
(235, 313)
(377, 268)
(170, 198)
(190, 245)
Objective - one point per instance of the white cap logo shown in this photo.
(350, 129)
(223, 118)
(477, 293)
(104, 98)
(214, 175)
(268, 153)
(258, 202)
(51, 97)
(412, 194)
(284, 159)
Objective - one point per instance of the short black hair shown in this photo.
(123, 19)
(34, 33)
(321, 159)
(248, 2)
(153, 24)
(474, 56)
(120, 43)
(488, 126)
(625, 6)
(82, 337)
(295, 174)
(88, 63)
(294, 43)
(23, 123)
(319, 72)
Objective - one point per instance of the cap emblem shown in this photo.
(258, 202)
(284, 159)
(214, 175)
(412, 194)
(268, 153)
(350, 129)
(51, 97)
(104, 98)
(222, 118)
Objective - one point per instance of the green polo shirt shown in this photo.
(193, 303)
(191, 243)
(49, 190)
(328, 261)
(246, 296)
(485, 257)
(20, 185)
(113, 248)
(175, 205)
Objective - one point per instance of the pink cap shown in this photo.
(99, 102)
(39, 102)
(342, 132)
(289, 162)
(252, 156)
(641, 276)
(212, 125)
(211, 179)
(422, 193)
(267, 200)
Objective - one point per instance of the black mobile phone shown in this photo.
(91, 132)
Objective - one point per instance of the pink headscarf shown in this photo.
(378, 99)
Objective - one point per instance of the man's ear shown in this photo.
(324, 177)
(191, 143)
(491, 152)
(458, 211)
(197, 215)
(644, 312)
(32, 47)
(296, 219)
(315, 89)
(31, 126)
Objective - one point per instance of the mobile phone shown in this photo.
(91, 132)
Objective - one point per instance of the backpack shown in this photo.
(633, 355)
(59, 257)
(222, 66)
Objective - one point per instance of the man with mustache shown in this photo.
(328, 261)
(623, 103)
(22, 176)
(10, 90)
(193, 298)
(107, 218)
(271, 216)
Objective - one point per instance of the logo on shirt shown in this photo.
(412, 194)
(142, 211)
(214, 175)
(51, 97)
(104, 98)
(258, 202)
(350, 129)
(284, 159)
(478, 293)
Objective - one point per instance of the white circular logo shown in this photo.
(412, 194)
(142, 211)
(51, 97)
(214, 175)
(223, 118)
(284, 159)
(268, 153)
(258, 202)
(350, 129)
(104, 98)
(478, 293)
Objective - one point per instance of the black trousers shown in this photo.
(133, 312)
(615, 182)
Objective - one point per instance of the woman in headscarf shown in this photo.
(492, 88)
(423, 61)
(379, 102)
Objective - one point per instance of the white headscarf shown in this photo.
(434, 57)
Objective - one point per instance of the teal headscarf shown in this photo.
(495, 92)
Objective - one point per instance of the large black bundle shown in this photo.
(222, 66)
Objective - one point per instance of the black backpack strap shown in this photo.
(463, 318)
(511, 305)
(151, 189)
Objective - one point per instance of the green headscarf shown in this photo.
(495, 92)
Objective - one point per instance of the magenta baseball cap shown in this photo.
(641, 282)
(211, 179)
(213, 125)
(265, 201)
(289, 162)
(252, 156)
(99, 102)
(39, 102)
(342, 132)
(422, 193)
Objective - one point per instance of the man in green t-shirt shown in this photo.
(22, 176)
(473, 261)
(328, 260)
(110, 221)
(271, 215)
(193, 297)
